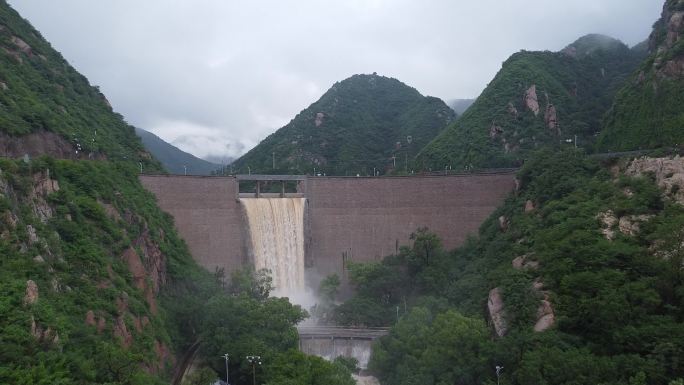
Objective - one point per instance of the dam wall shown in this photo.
(346, 218)
(207, 216)
(365, 219)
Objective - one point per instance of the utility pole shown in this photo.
(254, 360)
(185, 170)
(498, 373)
(227, 358)
(273, 156)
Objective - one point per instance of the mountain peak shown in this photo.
(589, 44)
(362, 123)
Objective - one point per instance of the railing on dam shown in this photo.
(341, 332)
(258, 179)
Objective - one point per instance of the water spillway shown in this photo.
(276, 240)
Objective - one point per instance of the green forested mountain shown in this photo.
(647, 112)
(173, 159)
(537, 99)
(97, 287)
(577, 279)
(361, 123)
(47, 107)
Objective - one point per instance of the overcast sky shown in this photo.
(214, 77)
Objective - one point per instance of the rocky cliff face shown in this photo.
(668, 173)
(647, 111)
(666, 41)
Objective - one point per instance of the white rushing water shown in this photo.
(276, 228)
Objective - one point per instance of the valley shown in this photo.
(534, 236)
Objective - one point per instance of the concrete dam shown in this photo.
(327, 222)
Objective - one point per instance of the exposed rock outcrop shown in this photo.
(31, 295)
(531, 99)
(32, 236)
(512, 110)
(667, 65)
(121, 331)
(524, 262)
(546, 318)
(135, 266)
(495, 131)
(153, 259)
(497, 313)
(668, 173)
(90, 318)
(43, 186)
(37, 144)
(319, 119)
(22, 45)
(551, 119)
(607, 220)
(149, 269)
(42, 334)
(630, 225)
(503, 223)
(529, 206)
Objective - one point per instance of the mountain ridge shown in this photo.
(175, 160)
(42, 96)
(361, 124)
(536, 99)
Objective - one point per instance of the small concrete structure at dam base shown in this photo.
(345, 218)
(332, 342)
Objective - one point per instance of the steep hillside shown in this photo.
(90, 266)
(536, 99)
(47, 107)
(97, 287)
(361, 123)
(173, 159)
(647, 112)
(577, 279)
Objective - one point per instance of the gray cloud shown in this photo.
(215, 77)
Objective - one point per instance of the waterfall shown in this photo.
(276, 228)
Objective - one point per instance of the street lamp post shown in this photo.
(227, 358)
(254, 360)
(498, 373)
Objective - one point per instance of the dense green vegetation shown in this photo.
(97, 286)
(173, 159)
(618, 303)
(40, 91)
(647, 112)
(99, 289)
(499, 129)
(362, 123)
(72, 241)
